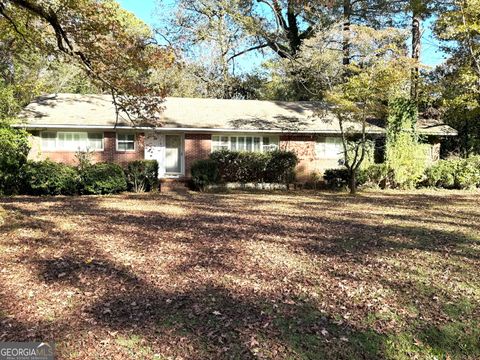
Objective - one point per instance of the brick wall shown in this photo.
(197, 146)
(304, 147)
(109, 154)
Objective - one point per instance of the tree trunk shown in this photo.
(416, 44)
(352, 183)
(347, 13)
(466, 138)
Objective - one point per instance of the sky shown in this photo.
(431, 54)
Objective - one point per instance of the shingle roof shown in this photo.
(77, 110)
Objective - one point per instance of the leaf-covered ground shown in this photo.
(297, 275)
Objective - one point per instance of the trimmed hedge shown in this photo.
(103, 178)
(142, 175)
(48, 178)
(280, 167)
(244, 167)
(204, 173)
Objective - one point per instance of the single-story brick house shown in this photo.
(63, 124)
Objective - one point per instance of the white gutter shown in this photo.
(166, 129)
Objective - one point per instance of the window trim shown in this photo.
(58, 149)
(246, 135)
(134, 141)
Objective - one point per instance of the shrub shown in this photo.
(48, 178)
(468, 173)
(142, 175)
(229, 165)
(14, 148)
(244, 167)
(204, 173)
(337, 179)
(376, 175)
(442, 174)
(84, 159)
(281, 167)
(405, 155)
(455, 173)
(408, 160)
(103, 178)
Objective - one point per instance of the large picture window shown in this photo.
(126, 142)
(71, 141)
(252, 143)
(329, 148)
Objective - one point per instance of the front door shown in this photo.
(173, 154)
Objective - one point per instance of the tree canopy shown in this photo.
(114, 48)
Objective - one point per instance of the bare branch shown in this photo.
(261, 46)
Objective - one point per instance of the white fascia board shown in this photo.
(180, 129)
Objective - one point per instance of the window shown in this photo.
(329, 148)
(71, 141)
(269, 143)
(126, 142)
(49, 140)
(220, 143)
(244, 143)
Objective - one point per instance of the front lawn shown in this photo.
(305, 275)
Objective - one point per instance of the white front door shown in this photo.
(173, 154)
(155, 150)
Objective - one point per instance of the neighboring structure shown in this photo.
(63, 124)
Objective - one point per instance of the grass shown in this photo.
(296, 275)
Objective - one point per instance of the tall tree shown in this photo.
(113, 47)
(207, 37)
(378, 70)
(281, 25)
(459, 78)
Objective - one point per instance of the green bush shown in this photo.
(454, 173)
(244, 167)
(142, 175)
(48, 178)
(103, 178)
(407, 160)
(14, 148)
(468, 173)
(442, 174)
(204, 173)
(280, 167)
(376, 175)
(405, 155)
(337, 179)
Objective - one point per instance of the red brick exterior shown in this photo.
(109, 154)
(304, 147)
(309, 162)
(197, 146)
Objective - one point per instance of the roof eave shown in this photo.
(186, 129)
